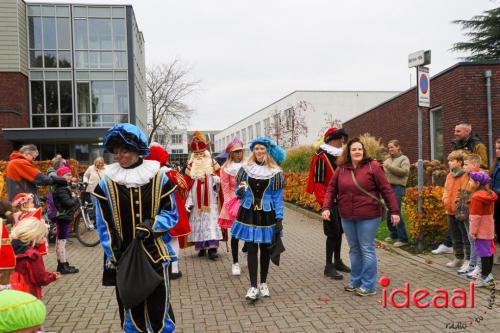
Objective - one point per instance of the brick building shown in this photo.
(457, 94)
(68, 72)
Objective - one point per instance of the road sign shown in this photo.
(423, 87)
(419, 58)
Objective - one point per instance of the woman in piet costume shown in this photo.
(230, 168)
(260, 184)
(136, 200)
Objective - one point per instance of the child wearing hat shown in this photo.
(28, 233)
(482, 228)
(20, 312)
(65, 204)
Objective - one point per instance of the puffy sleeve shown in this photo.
(167, 216)
(277, 194)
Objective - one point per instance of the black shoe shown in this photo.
(65, 268)
(175, 276)
(340, 266)
(331, 272)
(202, 253)
(212, 254)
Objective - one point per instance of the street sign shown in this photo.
(423, 87)
(419, 58)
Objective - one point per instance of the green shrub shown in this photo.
(298, 159)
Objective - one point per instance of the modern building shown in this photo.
(459, 93)
(68, 72)
(301, 117)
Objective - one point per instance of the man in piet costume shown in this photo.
(182, 229)
(203, 199)
(134, 201)
(322, 167)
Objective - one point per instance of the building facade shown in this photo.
(458, 94)
(301, 117)
(68, 73)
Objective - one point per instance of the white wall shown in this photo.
(342, 105)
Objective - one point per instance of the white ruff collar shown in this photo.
(232, 169)
(334, 151)
(133, 177)
(260, 171)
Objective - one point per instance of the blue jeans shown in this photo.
(361, 239)
(474, 259)
(399, 231)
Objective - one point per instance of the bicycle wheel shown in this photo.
(87, 236)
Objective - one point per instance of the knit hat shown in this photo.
(20, 310)
(21, 198)
(334, 134)
(63, 170)
(198, 142)
(276, 152)
(126, 135)
(157, 153)
(7, 256)
(480, 176)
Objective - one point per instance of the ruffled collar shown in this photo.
(135, 177)
(232, 169)
(260, 171)
(334, 151)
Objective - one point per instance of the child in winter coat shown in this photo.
(66, 204)
(7, 256)
(28, 233)
(482, 228)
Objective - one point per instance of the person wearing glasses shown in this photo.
(22, 175)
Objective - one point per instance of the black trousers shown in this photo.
(461, 244)
(333, 232)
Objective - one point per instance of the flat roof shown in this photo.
(68, 134)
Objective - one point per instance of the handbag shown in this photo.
(379, 200)
(136, 279)
(232, 207)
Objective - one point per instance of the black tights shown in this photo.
(486, 265)
(253, 265)
(333, 245)
(234, 249)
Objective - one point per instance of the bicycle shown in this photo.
(84, 224)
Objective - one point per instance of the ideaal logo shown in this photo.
(424, 298)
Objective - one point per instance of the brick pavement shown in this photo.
(208, 299)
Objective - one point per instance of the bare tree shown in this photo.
(330, 121)
(277, 127)
(167, 88)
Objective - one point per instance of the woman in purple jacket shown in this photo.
(357, 184)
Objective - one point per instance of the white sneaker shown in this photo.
(264, 290)
(235, 269)
(455, 263)
(252, 294)
(474, 274)
(480, 283)
(466, 268)
(442, 249)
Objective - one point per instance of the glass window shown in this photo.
(36, 59)
(120, 59)
(64, 59)
(50, 76)
(35, 32)
(82, 152)
(51, 97)
(84, 120)
(63, 33)
(48, 11)
(36, 75)
(100, 59)
(267, 127)
(62, 11)
(176, 139)
(102, 96)
(258, 130)
(49, 33)
(38, 121)
(250, 133)
(52, 121)
(66, 96)
(244, 136)
(50, 59)
(64, 75)
(79, 11)
(67, 121)
(121, 95)
(81, 34)
(82, 59)
(437, 140)
(100, 34)
(119, 34)
(34, 10)
(118, 12)
(83, 97)
(100, 11)
(36, 97)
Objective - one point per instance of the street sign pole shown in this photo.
(420, 162)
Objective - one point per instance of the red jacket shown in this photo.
(320, 173)
(353, 203)
(481, 222)
(30, 265)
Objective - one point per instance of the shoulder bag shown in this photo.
(379, 200)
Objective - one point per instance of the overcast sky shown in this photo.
(249, 54)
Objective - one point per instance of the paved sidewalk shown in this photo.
(208, 299)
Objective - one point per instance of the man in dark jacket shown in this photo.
(22, 176)
(470, 143)
(65, 204)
